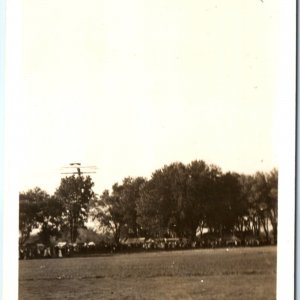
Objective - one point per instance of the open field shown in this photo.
(240, 273)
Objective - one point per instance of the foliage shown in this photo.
(38, 210)
(177, 201)
(272, 200)
(28, 211)
(75, 194)
(50, 218)
(108, 213)
(117, 211)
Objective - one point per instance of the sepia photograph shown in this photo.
(146, 149)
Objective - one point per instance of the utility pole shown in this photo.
(74, 214)
(75, 168)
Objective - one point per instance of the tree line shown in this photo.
(177, 201)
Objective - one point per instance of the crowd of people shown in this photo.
(65, 249)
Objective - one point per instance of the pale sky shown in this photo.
(129, 86)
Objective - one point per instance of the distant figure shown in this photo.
(47, 252)
(60, 253)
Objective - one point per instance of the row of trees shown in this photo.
(63, 213)
(178, 200)
(181, 200)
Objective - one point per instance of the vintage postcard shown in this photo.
(150, 149)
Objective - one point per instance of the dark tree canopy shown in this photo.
(117, 211)
(50, 218)
(177, 201)
(75, 194)
(38, 210)
(29, 207)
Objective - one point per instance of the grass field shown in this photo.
(241, 273)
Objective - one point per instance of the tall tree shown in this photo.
(162, 205)
(108, 211)
(151, 214)
(129, 193)
(29, 209)
(177, 197)
(50, 219)
(259, 198)
(201, 185)
(117, 211)
(272, 200)
(75, 194)
(225, 208)
(246, 221)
